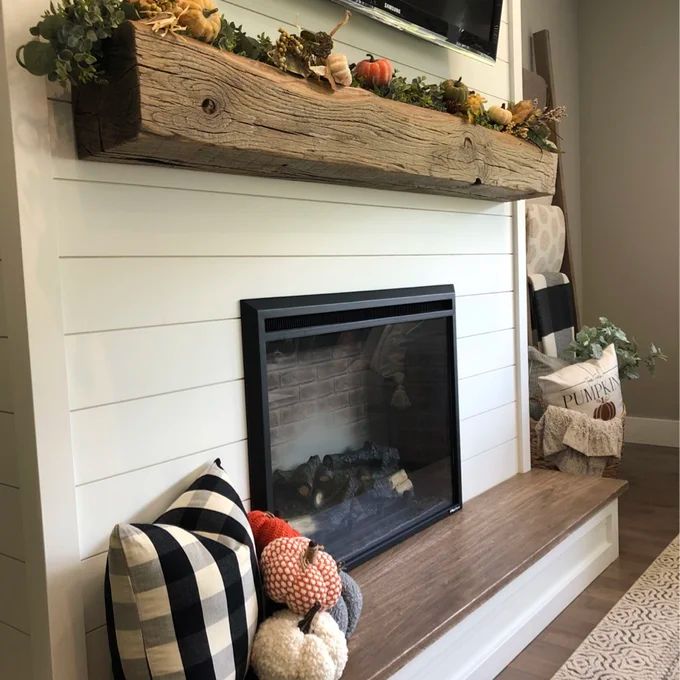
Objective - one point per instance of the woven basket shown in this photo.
(611, 469)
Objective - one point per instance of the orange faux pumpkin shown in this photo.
(374, 72)
(298, 573)
(605, 411)
(267, 528)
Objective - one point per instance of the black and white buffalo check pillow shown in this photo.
(183, 595)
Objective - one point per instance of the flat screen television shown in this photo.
(472, 25)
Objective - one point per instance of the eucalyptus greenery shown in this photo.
(590, 342)
(416, 92)
(233, 38)
(72, 32)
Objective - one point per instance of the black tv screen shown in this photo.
(469, 24)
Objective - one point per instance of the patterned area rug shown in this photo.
(639, 638)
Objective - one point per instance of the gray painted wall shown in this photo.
(616, 66)
(629, 181)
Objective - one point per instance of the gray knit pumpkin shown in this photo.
(348, 608)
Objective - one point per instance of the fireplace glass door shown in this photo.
(360, 429)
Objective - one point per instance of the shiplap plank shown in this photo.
(92, 572)
(11, 531)
(476, 314)
(111, 440)
(480, 353)
(488, 430)
(164, 222)
(109, 367)
(488, 469)
(13, 593)
(15, 654)
(114, 366)
(6, 400)
(486, 391)
(98, 655)
(411, 56)
(9, 473)
(108, 293)
(115, 438)
(67, 167)
(142, 495)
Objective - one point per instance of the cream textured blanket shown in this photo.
(578, 443)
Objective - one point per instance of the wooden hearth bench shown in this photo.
(463, 597)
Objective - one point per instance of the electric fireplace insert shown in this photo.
(352, 414)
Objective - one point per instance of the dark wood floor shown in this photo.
(648, 522)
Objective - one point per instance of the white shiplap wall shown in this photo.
(14, 617)
(152, 263)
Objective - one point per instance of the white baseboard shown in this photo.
(653, 431)
(485, 642)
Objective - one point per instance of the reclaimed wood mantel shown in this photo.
(178, 102)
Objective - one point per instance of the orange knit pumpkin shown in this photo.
(267, 528)
(298, 573)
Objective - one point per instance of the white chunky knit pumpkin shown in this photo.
(288, 648)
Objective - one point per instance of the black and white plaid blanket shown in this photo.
(552, 311)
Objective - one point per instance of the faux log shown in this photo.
(178, 102)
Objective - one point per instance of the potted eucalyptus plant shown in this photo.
(590, 342)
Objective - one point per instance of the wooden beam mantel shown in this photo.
(178, 102)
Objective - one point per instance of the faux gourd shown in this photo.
(338, 69)
(267, 528)
(201, 19)
(455, 93)
(287, 648)
(374, 72)
(347, 610)
(500, 115)
(298, 573)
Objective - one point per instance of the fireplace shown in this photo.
(351, 403)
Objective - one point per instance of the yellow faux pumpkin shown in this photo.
(201, 18)
(500, 115)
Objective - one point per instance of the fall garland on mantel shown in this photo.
(69, 40)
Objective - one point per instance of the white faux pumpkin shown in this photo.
(287, 648)
(338, 68)
(500, 115)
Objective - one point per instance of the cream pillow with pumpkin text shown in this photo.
(591, 387)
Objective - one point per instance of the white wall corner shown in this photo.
(38, 371)
(519, 249)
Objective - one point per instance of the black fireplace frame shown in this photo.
(267, 319)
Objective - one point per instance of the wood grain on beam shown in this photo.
(178, 102)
